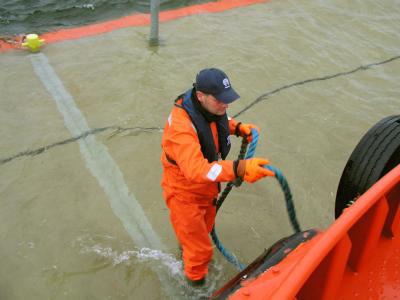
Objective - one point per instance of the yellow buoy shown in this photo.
(32, 42)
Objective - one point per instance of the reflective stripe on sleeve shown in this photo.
(195, 130)
(169, 120)
(214, 172)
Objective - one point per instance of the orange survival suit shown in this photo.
(193, 151)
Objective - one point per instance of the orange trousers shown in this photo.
(192, 222)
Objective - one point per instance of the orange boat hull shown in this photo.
(357, 257)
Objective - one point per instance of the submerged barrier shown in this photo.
(131, 21)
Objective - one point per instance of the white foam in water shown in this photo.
(89, 6)
(173, 265)
(165, 260)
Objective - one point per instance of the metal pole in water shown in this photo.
(154, 8)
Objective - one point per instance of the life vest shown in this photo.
(203, 129)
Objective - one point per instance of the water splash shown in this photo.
(95, 245)
(167, 260)
(88, 6)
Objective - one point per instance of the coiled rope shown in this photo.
(282, 182)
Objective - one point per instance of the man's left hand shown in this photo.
(244, 130)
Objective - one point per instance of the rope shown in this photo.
(288, 197)
(282, 182)
(239, 180)
(225, 252)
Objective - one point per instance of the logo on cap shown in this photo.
(226, 83)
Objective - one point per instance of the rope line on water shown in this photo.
(311, 80)
(283, 184)
(256, 101)
(116, 130)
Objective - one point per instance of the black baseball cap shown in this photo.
(215, 82)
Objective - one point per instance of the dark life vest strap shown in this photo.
(180, 97)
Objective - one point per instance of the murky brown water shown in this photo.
(67, 231)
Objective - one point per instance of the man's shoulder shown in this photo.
(179, 118)
(179, 112)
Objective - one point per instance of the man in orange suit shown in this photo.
(195, 143)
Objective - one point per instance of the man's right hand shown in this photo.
(252, 169)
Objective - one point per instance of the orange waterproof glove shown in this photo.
(244, 130)
(252, 169)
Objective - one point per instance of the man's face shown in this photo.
(211, 104)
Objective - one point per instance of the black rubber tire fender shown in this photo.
(376, 154)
